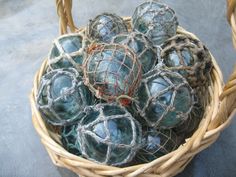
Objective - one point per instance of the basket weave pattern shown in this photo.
(218, 115)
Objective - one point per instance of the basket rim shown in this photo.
(200, 140)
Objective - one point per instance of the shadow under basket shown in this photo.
(218, 115)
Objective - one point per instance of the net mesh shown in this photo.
(188, 127)
(156, 20)
(190, 58)
(61, 96)
(108, 134)
(156, 143)
(141, 46)
(164, 99)
(105, 26)
(111, 70)
(67, 51)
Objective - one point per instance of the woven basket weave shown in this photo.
(218, 116)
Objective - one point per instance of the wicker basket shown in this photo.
(218, 115)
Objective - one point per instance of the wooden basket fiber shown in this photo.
(218, 116)
(231, 15)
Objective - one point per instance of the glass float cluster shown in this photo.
(165, 99)
(62, 96)
(120, 96)
(105, 26)
(141, 46)
(111, 70)
(189, 57)
(109, 134)
(67, 51)
(156, 20)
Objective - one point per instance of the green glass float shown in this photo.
(164, 99)
(189, 57)
(189, 126)
(111, 71)
(105, 26)
(141, 46)
(108, 134)
(69, 139)
(62, 96)
(67, 51)
(156, 143)
(156, 20)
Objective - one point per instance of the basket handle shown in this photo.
(227, 105)
(228, 96)
(64, 8)
(230, 8)
(231, 13)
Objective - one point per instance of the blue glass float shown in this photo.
(141, 46)
(189, 57)
(164, 99)
(69, 139)
(156, 20)
(111, 70)
(156, 143)
(67, 51)
(105, 26)
(62, 96)
(108, 134)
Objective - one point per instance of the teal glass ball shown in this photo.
(156, 20)
(67, 51)
(164, 99)
(112, 70)
(62, 96)
(189, 57)
(156, 143)
(105, 26)
(69, 139)
(189, 126)
(141, 46)
(108, 134)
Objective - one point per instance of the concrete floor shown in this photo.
(26, 31)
